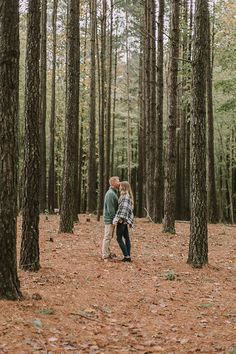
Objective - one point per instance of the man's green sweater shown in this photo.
(110, 205)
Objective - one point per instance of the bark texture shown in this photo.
(29, 256)
(91, 195)
(71, 128)
(159, 168)
(170, 190)
(52, 127)
(213, 215)
(198, 245)
(43, 107)
(9, 86)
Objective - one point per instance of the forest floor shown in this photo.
(77, 303)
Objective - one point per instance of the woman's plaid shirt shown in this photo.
(125, 211)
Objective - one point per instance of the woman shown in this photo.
(124, 217)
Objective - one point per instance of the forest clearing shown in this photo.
(122, 113)
(77, 303)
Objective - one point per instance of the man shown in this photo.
(109, 212)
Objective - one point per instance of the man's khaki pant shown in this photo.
(108, 234)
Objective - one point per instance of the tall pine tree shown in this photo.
(71, 129)
(198, 244)
(9, 88)
(29, 256)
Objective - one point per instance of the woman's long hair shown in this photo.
(125, 188)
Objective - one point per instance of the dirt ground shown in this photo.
(78, 304)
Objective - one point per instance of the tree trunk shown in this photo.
(103, 119)
(231, 167)
(114, 109)
(147, 107)
(233, 171)
(170, 191)
(142, 139)
(187, 171)
(213, 216)
(76, 143)
(128, 128)
(159, 169)
(71, 128)
(109, 101)
(223, 166)
(29, 256)
(183, 117)
(51, 172)
(9, 108)
(198, 245)
(101, 159)
(91, 193)
(43, 106)
(82, 116)
(153, 106)
(139, 209)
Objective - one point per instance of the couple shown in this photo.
(118, 212)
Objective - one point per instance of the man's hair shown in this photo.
(112, 179)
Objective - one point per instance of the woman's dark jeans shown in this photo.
(122, 236)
